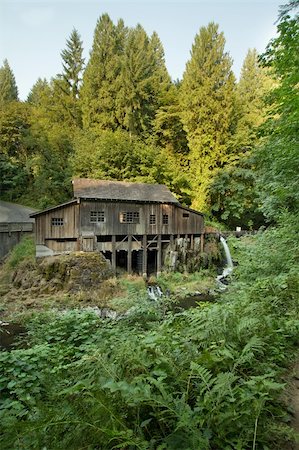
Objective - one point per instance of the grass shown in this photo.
(184, 283)
(25, 250)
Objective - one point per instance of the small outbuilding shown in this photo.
(130, 223)
(15, 222)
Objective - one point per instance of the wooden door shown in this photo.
(87, 245)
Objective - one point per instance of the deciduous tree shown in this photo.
(279, 157)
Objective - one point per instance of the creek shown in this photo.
(191, 301)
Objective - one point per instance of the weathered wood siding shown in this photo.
(192, 223)
(45, 231)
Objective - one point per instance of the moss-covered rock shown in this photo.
(71, 273)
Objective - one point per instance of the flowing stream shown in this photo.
(155, 293)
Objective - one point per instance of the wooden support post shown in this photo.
(171, 242)
(159, 256)
(144, 256)
(129, 259)
(202, 242)
(192, 242)
(113, 259)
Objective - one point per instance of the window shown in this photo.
(185, 215)
(97, 216)
(57, 221)
(152, 219)
(129, 217)
(165, 219)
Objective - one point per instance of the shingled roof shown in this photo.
(122, 191)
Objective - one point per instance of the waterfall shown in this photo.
(154, 292)
(229, 262)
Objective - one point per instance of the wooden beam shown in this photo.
(129, 259)
(202, 242)
(144, 256)
(159, 256)
(113, 259)
(171, 241)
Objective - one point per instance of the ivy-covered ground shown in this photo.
(212, 377)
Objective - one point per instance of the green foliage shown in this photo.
(67, 84)
(207, 94)
(40, 90)
(116, 155)
(184, 284)
(101, 79)
(73, 63)
(206, 378)
(278, 158)
(25, 250)
(15, 132)
(250, 107)
(144, 80)
(8, 87)
(234, 197)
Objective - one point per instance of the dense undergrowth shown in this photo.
(208, 378)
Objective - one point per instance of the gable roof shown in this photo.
(52, 208)
(14, 213)
(122, 190)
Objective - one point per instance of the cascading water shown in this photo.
(229, 262)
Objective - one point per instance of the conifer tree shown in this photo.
(39, 90)
(207, 100)
(233, 194)
(162, 78)
(145, 81)
(67, 84)
(101, 79)
(168, 125)
(250, 108)
(8, 87)
(73, 64)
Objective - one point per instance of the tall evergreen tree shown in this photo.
(162, 78)
(67, 84)
(144, 80)
(251, 111)
(73, 64)
(101, 79)
(8, 86)
(38, 92)
(207, 100)
(168, 125)
(233, 194)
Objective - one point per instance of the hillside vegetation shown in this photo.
(209, 377)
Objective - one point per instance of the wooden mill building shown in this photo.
(130, 223)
